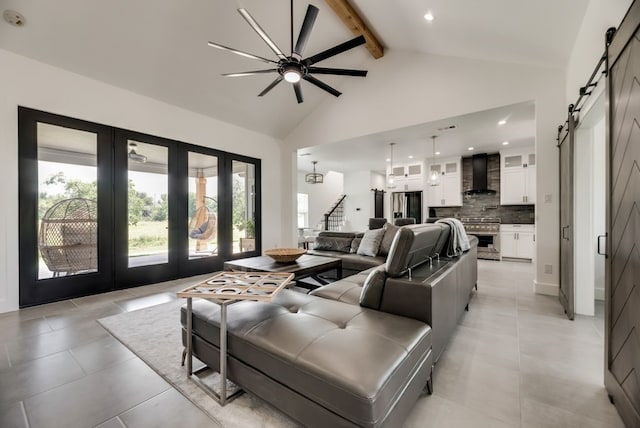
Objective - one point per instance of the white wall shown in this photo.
(583, 243)
(36, 85)
(321, 196)
(357, 187)
(589, 44)
(599, 201)
(428, 88)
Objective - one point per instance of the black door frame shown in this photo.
(126, 276)
(32, 290)
(113, 272)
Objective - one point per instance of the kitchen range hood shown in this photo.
(479, 180)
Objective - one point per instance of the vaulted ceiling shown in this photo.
(158, 48)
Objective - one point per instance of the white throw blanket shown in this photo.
(458, 240)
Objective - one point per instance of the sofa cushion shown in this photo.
(389, 233)
(333, 243)
(346, 290)
(371, 242)
(356, 262)
(371, 295)
(351, 360)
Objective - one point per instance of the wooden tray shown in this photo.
(239, 286)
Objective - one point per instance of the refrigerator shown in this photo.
(407, 204)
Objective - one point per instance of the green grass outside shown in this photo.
(152, 237)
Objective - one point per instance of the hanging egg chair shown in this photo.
(68, 238)
(203, 224)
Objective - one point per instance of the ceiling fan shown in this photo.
(293, 68)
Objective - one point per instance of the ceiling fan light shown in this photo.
(292, 76)
(134, 156)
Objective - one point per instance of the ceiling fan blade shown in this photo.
(337, 71)
(250, 73)
(356, 41)
(241, 53)
(305, 30)
(322, 85)
(298, 90)
(271, 86)
(263, 35)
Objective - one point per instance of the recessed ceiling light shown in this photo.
(437, 153)
(470, 148)
(14, 18)
(428, 17)
(410, 156)
(502, 122)
(388, 160)
(505, 143)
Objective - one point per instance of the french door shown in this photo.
(103, 208)
(145, 190)
(65, 208)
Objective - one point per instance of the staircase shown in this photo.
(334, 218)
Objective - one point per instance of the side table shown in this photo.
(224, 289)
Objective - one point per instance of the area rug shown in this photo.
(153, 334)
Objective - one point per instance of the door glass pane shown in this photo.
(67, 201)
(532, 159)
(513, 161)
(398, 171)
(435, 168)
(451, 168)
(147, 204)
(415, 169)
(203, 205)
(244, 181)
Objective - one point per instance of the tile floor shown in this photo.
(515, 361)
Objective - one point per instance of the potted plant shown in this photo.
(248, 243)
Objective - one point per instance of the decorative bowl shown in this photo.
(285, 255)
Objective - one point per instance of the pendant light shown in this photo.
(391, 177)
(314, 177)
(434, 176)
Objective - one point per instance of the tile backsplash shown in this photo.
(487, 205)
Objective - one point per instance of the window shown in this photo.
(303, 210)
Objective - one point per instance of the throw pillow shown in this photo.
(389, 233)
(355, 244)
(370, 242)
(371, 295)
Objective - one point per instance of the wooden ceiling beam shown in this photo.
(352, 20)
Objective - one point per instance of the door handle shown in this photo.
(563, 235)
(600, 252)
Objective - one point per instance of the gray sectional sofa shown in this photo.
(355, 353)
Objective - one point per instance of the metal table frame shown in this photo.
(260, 286)
(221, 398)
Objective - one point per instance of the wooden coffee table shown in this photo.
(306, 266)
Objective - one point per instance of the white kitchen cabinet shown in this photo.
(407, 177)
(517, 241)
(518, 177)
(448, 193)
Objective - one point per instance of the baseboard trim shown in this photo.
(545, 288)
(598, 293)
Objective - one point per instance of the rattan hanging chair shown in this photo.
(68, 239)
(203, 225)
